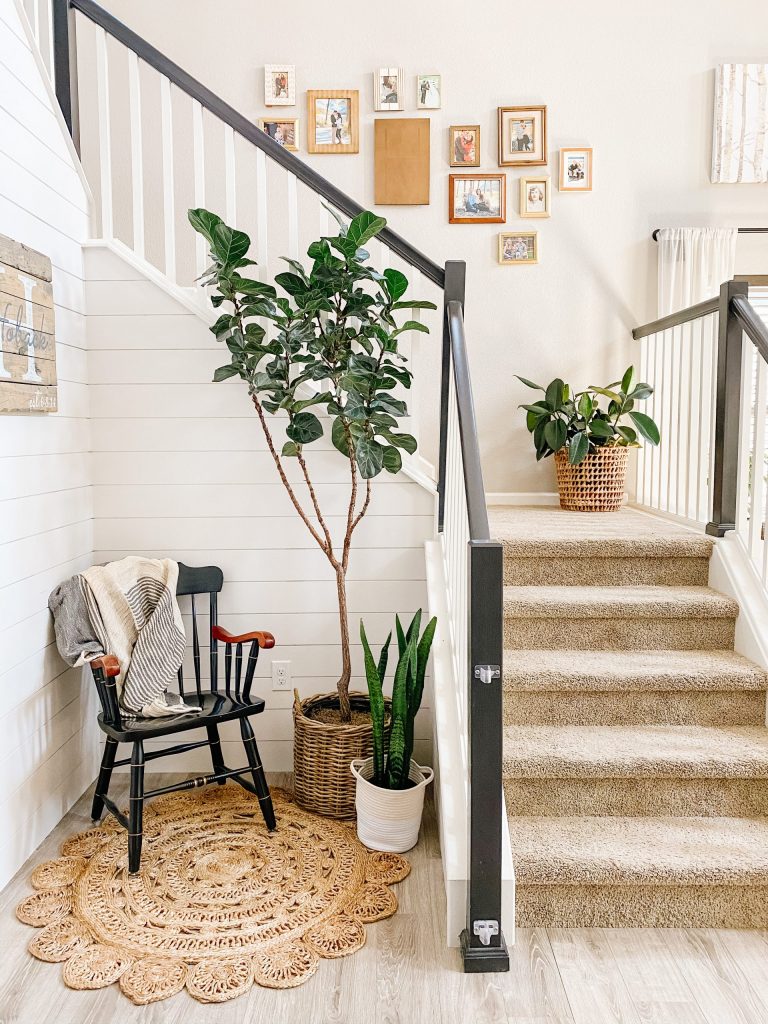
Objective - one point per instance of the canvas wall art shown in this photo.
(740, 134)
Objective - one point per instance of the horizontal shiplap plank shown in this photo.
(32, 674)
(234, 433)
(319, 629)
(21, 63)
(42, 196)
(30, 569)
(41, 513)
(120, 367)
(32, 151)
(21, 477)
(24, 639)
(44, 435)
(127, 298)
(140, 332)
(21, 221)
(71, 363)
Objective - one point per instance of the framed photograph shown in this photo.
(575, 170)
(522, 136)
(333, 121)
(477, 199)
(279, 85)
(534, 196)
(388, 89)
(429, 92)
(518, 247)
(464, 145)
(285, 131)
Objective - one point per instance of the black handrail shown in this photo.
(753, 324)
(226, 113)
(682, 316)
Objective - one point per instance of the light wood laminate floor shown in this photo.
(405, 975)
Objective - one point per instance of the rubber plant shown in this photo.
(333, 346)
(577, 421)
(392, 761)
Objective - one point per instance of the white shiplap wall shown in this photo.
(47, 713)
(180, 469)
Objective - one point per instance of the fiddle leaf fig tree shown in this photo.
(323, 338)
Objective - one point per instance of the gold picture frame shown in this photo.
(518, 248)
(324, 133)
(532, 205)
(522, 136)
(575, 169)
(488, 192)
(458, 146)
(287, 139)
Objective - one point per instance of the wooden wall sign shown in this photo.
(401, 161)
(27, 330)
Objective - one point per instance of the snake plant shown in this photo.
(392, 762)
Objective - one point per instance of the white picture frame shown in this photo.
(279, 85)
(388, 89)
(429, 91)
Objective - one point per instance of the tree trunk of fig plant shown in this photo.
(346, 660)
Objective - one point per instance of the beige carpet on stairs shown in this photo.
(635, 747)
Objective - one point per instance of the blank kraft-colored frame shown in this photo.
(401, 161)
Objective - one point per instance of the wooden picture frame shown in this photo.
(388, 89)
(456, 146)
(522, 136)
(323, 136)
(459, 212)
(290, 140)
(571, 157)
(533, 206)
(277, 94)
(512, 244)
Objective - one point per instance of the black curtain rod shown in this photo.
(742, 231)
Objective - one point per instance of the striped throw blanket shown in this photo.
(130, 610)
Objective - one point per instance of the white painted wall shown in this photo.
(47, 713)
(636, 83)
(180, 469)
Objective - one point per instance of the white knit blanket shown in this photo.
(133, 610)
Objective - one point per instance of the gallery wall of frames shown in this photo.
(476, 195)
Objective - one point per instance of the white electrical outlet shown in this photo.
(281, 675)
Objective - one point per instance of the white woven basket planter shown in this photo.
(389, 819)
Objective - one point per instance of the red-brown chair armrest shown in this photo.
(108, 663)
(266, 640)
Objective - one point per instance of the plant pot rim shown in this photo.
(427, 775)
(613, 449)
(359, 701)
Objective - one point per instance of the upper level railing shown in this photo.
(143, 124)
(709, 367)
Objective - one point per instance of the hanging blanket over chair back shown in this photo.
(127, 608)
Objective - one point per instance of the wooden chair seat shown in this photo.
(216, 708)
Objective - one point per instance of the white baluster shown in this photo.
(748, 369)
(105, 144)
(262, 254)
(293, 217)
(137, 155)
(757, 470)
(169, 206)
(198, 158)
(230, 181)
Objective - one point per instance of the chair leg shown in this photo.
(259, 780)
(136, 808)
(214, 742)
(105, 774)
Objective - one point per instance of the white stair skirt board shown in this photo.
(449, 760)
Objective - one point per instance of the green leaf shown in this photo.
(540, 408)
(229, 245)
(304, 428)
(556, 393)
(374, 675)
(290, 449)
(339, 436)
(530, 384)
(628, 380)
(613, 395)
(395, 283)
(578, 448)
(405, 441)
(646, 426)
(364, 227)
(554, 434)
(627, 433)
(393, 461)
(641, 391)
(585, 405)
(291, 283)
(204, 222)
(414, 325)
(414, 304)
(223, 372)
(369, 456)
(343, 226)
(601, 428)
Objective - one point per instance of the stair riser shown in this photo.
(641, 906)
(617, 707)
(630, 634)
(605, 572)
(726, 798)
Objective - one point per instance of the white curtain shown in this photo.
(693, 263)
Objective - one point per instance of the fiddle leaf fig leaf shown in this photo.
(223, 372)
(364, 227)
(304, 428)
(370, 457)
(395, 283)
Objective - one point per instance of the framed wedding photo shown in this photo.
(522, 136)
(464, 145)
(534, 196)
(517, 248)
(575, 170)
(477, 198)
(279, 85)
(388, 89)
(284, 131)
(429, 92)
(333, 121)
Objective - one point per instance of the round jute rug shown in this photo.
(218, 904)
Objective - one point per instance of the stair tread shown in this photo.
(640, 851)
(639, 670)
(635, 752)
(617, 602)
(547, 532)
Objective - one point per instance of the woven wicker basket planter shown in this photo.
(323, 752)
(597, 484)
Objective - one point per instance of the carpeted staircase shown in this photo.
(635, 746)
